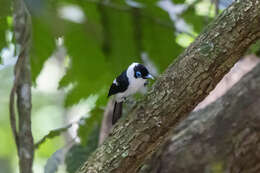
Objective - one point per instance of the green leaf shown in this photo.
(158, 37)
(52, 134)
(178, 1)
(78, 154)
(45, 26)
(196, 21)
(90, 123)
(88, 70)
(99, 49)
(111, 39)
(76, 157)
(120, 42)
(147, 2)
(5, 11)
(3, 28)
(5, 8)
(43, 45)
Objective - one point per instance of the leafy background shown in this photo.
(78, 48)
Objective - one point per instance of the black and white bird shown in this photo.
(128, 83)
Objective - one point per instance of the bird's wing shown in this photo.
(120, 84)
(113, 89)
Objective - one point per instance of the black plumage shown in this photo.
(142, 69)
(117, 113)
(127, 83)
(120, 84)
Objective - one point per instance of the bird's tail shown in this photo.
(117, 113)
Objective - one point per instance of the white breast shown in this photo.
(135, 84)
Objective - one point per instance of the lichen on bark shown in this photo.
(224, 135)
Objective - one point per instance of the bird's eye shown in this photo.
(138, 74)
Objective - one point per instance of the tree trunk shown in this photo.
(223, 137)
(178, 90)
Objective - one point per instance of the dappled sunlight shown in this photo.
(52, 72)
(72, 13)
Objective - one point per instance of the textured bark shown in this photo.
(22, 89)
(242, 67)
(178, 90)
(26, 145)
(225, 135)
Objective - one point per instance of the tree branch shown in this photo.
(225, 134)
(178, 90)
(22, 89)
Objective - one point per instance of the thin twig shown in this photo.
(58, 131)
(51, 134)
(22, 89)
(216, 7)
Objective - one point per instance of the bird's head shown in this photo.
(140, 71)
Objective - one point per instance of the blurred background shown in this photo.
(78, 48)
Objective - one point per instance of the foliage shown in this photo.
(5, 12)
(191, 19)
(255, 48)
(88, 124)
(43, 45)
(110, 37)
(110, 40)
(88, 132)
(78, 154)
(52, 134)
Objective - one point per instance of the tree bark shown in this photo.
(178, 90)
(223, 137)
(22, 89)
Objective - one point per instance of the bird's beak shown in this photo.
(149, 76)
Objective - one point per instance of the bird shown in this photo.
(129, 82)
